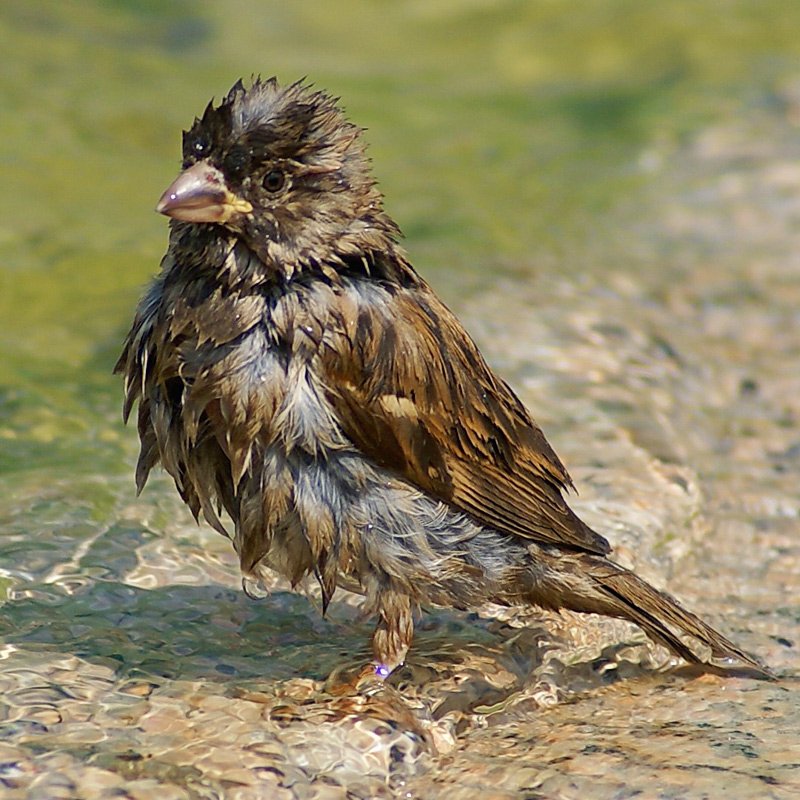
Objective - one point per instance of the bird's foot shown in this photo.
(382, 671)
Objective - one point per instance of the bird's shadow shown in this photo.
(179, 632)
(212, 633)
(216, 635)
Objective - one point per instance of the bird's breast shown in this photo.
(262, 395)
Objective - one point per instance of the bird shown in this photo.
(315, 401)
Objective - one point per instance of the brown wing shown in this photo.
(413, 392)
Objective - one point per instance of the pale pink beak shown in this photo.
(200, 194)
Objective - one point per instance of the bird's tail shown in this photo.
(602, 587)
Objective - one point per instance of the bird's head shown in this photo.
(283, 170)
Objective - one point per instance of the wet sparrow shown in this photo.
(292, 369)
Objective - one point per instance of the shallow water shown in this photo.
(610, 202)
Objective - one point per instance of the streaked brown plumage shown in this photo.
(292, 369)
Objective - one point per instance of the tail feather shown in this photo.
(617, 592)
(651, 609)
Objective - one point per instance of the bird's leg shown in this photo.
(394, 633)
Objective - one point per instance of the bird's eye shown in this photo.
(274, 180)
(196, 146)
(200, 146)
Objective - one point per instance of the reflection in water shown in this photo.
(618, 230)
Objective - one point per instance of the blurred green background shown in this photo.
(504, 134)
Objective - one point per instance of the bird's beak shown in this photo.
(200, 194)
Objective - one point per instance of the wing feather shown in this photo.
(412, 391)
